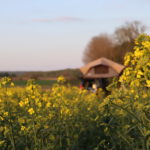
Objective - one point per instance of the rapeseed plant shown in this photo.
(66, 117)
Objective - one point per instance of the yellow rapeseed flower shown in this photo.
(21, 103)
(148, 83)
(2, 142)
(48, 104)
(12, 84)
(144, 95)
(119, 101)
(23, 128)
(31, 111)
(9, 93)
(61, 79)
(21, 120)
(146, 44)
(1, 118)
(26, 101)
(39, 104)
(5, 114)
(138, 53)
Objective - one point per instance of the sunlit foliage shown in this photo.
(67, 118)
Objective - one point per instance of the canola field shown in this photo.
(67, 118)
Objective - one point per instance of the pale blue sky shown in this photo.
(52, 34)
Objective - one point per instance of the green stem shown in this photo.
(12, 139)
(146, 142)
(130, 114)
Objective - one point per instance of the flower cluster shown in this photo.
(66, 117)
(32, 118)
(130, 97)
(137, 73)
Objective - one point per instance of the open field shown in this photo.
(64, 117)
(43, 83)
(44, 79)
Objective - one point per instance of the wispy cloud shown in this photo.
(57, 19)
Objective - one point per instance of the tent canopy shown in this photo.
(101, 68)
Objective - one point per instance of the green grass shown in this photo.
(40, 82)
(45, 83)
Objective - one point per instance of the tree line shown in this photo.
(114, 46)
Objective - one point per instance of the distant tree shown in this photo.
(124, 37)
(4, 74)
(114, 47)
(7, 74)
(129, 31)
(99, 46)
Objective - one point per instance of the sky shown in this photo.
(43, 35)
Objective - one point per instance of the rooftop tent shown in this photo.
(101, 68)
